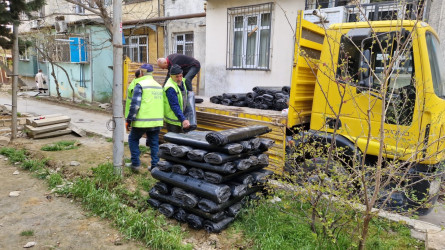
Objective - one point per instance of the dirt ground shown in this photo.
(60, 223)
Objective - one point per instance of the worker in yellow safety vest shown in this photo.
(175, 99)
(145, 116)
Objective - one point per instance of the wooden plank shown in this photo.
(50, 121)
(31, 119)
(44, 129)
(78, 131)
(53, 134)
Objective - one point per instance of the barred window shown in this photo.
(136, 48)
(70, 49)
(249, 29)
(183, 44)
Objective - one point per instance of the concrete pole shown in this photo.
(118, 116)
(15, 80)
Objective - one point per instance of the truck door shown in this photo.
(373, 65)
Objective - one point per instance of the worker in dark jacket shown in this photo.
(175, 99)
(189, 66)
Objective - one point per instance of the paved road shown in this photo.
(88, 120)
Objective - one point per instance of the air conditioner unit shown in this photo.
(61, 27)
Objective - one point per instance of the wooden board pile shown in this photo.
(47, 126)
(206, 177)
(274, 98)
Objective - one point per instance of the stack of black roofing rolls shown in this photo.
(205, 177)
(274, 98)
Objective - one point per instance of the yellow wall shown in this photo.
(142, 11)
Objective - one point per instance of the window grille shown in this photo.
(70, 49)
(25, 55)
(315, 4)
(249, 31)
(183, 44)
(136, 48)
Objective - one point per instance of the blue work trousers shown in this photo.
(152, 141)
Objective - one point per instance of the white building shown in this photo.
(249, 43)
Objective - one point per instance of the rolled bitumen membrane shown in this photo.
(226, 168)
(179, 169)
(243, 164)
(237, 134)
(218, 158)
(237, 189)
(180, 215)
(215, 192)
(216, 178)
(246, 179)
(260, 176)
(196, 173)
(216, 227)
(264, 90)
(209, 206)
(286, 90)
(197, 155)
(164, 166)
(180, 151)
(154, 203)
(216, 216)
(250, 97)
(265, 143)
(162, 188)
(167, 209)
(196, 139)
(234, 209)
(253, 160)
(167, 147)
(238, 97)
(194, 221)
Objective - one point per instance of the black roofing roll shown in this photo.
(180, 151)
(263, 159)
(261, 176)
(219, 158)
(167, 147)
(253, 160)
(195, 221)
(246, 179)
(154, 203)
(179, 169)
(216, 227)
(259, 99)
(246, 146)
(162, 188)
(240, 104)
(167, 209)
(265, 143)
(281, 95)
(216, 178)
(263, 90)
(286, 90)
(243, 164)
(190, 200)
(217, 193)
(197, 139)
(237, 189)
(214, 216)
(226, 102)
(196, 173)
(255, 143)
(237, 134)
(209, 206)
(250, 97)
(238, 97)
(215, 99)
(268, 98)
(226, 168)
(180, 215)
(177, 193)
(197, 154)
(164, 166)
(234, 209)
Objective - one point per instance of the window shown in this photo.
(315, 4)
(70, 49)
(249, 37)
(183, 44)
(136, 48)
(437, 65)
(24, 55)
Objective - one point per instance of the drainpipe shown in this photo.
(90, 59)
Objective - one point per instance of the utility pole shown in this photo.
(118, 112)
(15, 80)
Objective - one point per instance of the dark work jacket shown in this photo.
(185, 62)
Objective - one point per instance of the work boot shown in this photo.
(134, 169)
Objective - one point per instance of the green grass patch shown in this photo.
(144, 149)
(60, 145)
(109, 139)
(27, 233)
(55, 179)
(14, 155)
(103, 194)
(283, 225)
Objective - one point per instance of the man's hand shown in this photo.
(186, 124)
(128, 125)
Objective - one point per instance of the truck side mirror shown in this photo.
(365, 69)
